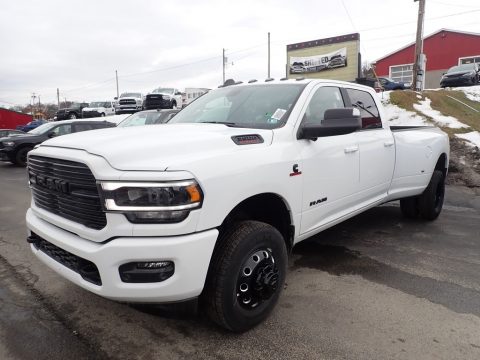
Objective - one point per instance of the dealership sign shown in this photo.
(335, 58)
(320, 62)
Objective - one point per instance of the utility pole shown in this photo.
(224, 62)
(418, 70)
(268, 75)
(116, 78)
(58, 98)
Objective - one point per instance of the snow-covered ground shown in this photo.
(447, 121)
(400, 117)
(472, 92)
(473, 138)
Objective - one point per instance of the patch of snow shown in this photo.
(419, 96)
(449, 121)
(473, 138)
(471, 92)
(397, 116)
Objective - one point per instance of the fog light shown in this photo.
(146, 272)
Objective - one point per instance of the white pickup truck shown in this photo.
(210, 204)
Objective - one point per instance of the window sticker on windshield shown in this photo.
(277, 115)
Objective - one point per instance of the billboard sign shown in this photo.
(336, 58)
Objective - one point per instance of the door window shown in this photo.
(364, 102)
(83, 127)
(324, 98)
(62, 129)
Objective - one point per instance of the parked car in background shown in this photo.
(149, 117)
(163, 98)
(465, 74)
(99, 109)
(31, 125)
(129, 102)
(10, 132)
(74, 111)
(192, 94)
(390, 84)
(15, 148)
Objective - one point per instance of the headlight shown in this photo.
(167, 202)
(8, 143)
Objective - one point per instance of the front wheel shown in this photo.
(246, 275)
(72, 116)
(21, 156)
(174, 105)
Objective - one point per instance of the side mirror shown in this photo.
(336, 122)
(115, 98)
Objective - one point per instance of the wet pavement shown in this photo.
(375, 287)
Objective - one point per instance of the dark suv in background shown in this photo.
(15, 148)
(465, 74)
(72, 112)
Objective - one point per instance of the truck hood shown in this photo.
(158, 147)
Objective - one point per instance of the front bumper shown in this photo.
(190, 253)
(458, 81)
(5, 155)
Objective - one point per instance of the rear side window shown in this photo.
(364, 102)
(324, 98)
(83, 127)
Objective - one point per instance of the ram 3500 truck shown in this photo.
(210, 204)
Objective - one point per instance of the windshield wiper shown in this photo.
(231, 124)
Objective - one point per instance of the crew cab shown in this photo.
(15, 148)
(210, 204)
(129, 103)
(98, 109)
(163, 98)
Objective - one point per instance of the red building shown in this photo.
(10, 119)
(443, 49)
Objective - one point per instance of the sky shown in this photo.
(76, 46)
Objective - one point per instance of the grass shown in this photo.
(441, 101)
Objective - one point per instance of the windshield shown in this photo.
(257, 106)
(42, 129)
(147, 118)
(168, 91)
(137, 95)
(464, 67)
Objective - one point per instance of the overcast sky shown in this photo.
(77, 45)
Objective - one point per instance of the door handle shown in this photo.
(388, 143)
(351, 149)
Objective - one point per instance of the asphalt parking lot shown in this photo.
(375, 287)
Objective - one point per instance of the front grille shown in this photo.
(66, 188)
(128, 102)
(87, 269)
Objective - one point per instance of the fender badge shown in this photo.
(295, 171)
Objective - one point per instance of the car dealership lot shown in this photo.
(375, 287)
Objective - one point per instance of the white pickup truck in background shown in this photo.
(210, 204)
(99, 109)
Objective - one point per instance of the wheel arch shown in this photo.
(269, 208)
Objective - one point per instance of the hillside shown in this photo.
(456, 111)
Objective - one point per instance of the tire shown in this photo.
(409, 207)
(21, 156)
(246, 275)
(430, 203)
(174, 105)
(72, 116)
(102, 114)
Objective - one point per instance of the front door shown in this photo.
(330, 166)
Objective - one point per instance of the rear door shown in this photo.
(377, 148)
(330, 165)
